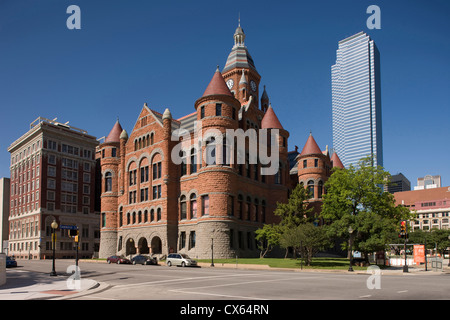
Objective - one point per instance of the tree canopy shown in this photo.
(355, 201)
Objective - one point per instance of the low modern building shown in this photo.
(52, 179)
(431, 206)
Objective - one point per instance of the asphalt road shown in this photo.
(149, 282)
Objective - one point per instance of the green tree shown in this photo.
(355, 201)
(435, 239)
(268, 237)
(439, 240)
(313, 239)
(296, 210)
(306, 238)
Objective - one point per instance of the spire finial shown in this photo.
(217, 69)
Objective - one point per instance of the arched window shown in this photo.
(139, 217)
(193, 161)
(193, 206)
(249, 204)
(145, 216)
(128, 218)
(182, 155)
(263, 211)
(205, 205)
(226, 152)
(211, 151)
(256, 210)
(247, 165)
(183, 207)
(278, 174)
(152, 215)
(152, 138)
(134, 217)
(310, 188)
(108, 182)
(241, 206)
(120, 216)
(320, 189)
(158, 214)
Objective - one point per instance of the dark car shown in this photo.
(117, 259)
(140, 259)
(10, 262)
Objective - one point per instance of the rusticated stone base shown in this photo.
(108, 244)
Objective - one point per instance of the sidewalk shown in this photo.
(28, 285)
(388, 271)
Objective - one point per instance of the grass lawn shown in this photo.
(317, 263)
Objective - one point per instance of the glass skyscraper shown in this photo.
(356, 100)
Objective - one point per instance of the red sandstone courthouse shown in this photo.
(152, 205)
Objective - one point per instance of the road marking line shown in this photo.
(218, 295)
(367, 296)
(402, 291)
(180, 280)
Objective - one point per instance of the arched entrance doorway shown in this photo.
(143, 246)
(156, 245)
(130, 247)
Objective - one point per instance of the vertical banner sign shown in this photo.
(419, 253)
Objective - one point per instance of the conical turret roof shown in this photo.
(311, 147)
(217, 85)
(336, 161)
(270, 120)
(114, 134)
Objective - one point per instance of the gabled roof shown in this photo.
(336, 161)
(310, 147)
(217, 85)
(270, 120)
(114, 134)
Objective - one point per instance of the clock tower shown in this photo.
(240, 73)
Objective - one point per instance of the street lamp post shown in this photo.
(405, 267)
(54, 226)
(350, 230)
(212, 252)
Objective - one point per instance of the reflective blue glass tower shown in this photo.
(356, 100)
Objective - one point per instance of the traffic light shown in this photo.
(403, 229)
(73, 232)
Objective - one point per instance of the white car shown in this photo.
(180, 259)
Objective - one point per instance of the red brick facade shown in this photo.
(153, 205)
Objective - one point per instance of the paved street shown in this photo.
(138, 282)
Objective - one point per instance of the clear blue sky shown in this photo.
(165, 53)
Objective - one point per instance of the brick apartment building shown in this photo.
(431, 207)
(152, 205)
(52, 178)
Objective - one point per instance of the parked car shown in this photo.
(180, 259)
(117, 259)
(140, 259)
(10, 262)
